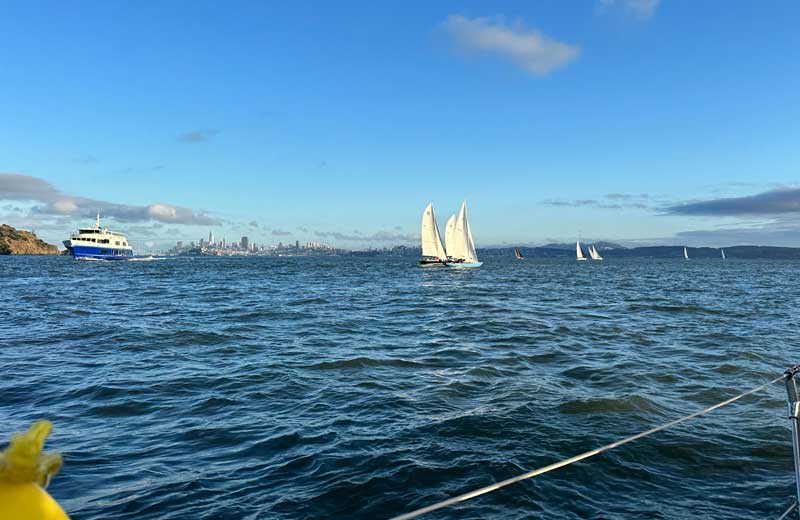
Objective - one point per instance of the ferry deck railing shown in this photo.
(790, 376)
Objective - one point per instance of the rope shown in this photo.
(786, 513)
(576, 458)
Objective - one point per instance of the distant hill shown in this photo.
(601, 246)
(749, 252)
(16, 242)
(609, 250)
(734, 252)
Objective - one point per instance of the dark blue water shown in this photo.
(364, 388)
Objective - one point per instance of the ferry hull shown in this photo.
(98, 253)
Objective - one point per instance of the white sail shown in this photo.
(593, 253)
(685, 253)
(723, 253)
(449, 230)
(579, 251)
(431, 240)
(472, 255)
(463, 247)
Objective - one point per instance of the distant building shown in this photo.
(202, 243)
(297, 244)
(210, 238)
(179, 244)
(244, 243)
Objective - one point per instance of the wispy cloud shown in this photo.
(641, 9)
(527, 48)
(252, 224)
(86, 159)
(773, 202)
(197, 136)
(609, 201)
(54, 203)
(280, 233)
(782, 232)
(380, 236)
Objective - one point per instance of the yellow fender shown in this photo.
(24, 473)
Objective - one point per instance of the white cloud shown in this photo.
(162, 212)
(642, 9)
(52, 202)
(528, 48)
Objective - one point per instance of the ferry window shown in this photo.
(116, 243)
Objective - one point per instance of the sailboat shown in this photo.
(518, 254)
(593, 253)
(460, 245)
(723, 253)
(433, 252)
(579, 252)
(685, 253)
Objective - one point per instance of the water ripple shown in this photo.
(362, 388)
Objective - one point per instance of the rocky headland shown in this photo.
(16, 242)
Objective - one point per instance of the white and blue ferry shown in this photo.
(99, 244)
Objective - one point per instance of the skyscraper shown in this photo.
(244, 244)
(210, 237)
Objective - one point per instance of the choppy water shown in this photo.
(363, 388)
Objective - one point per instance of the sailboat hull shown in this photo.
(463, 265)
(431, 263)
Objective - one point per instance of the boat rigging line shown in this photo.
(788, 376)
(786, 513)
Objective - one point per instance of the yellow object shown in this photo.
(24, 469)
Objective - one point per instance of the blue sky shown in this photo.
(339, 121)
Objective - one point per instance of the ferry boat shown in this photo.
(98, 243)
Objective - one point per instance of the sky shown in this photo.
(634, 121)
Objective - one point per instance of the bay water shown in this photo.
(344, 387)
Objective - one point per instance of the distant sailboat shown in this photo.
(594, 254)
(685, 253)
(433, 252)
(723, 253)
(460, 245)
(518, 254)
(579, 252)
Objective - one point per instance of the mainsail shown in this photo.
(463, 246)
(723, 253)
(431, 240)
(685, 253)
(579, 251)
(449, 230)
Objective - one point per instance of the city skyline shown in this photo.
(633, 121)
